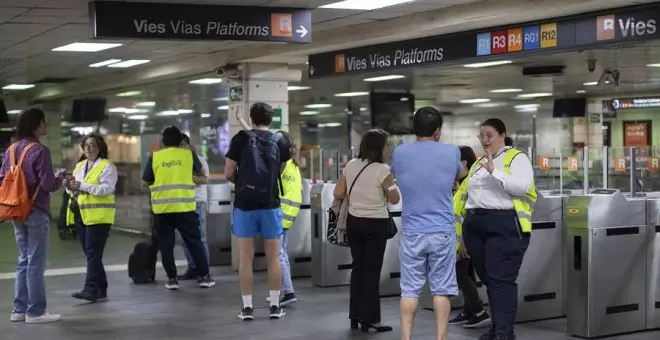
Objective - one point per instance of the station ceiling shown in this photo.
(30, 29)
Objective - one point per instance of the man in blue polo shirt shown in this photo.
(426, 171)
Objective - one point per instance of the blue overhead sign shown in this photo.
(531, 39)
(135, 20)
(483, 44)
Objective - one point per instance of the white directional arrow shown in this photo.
(302, 31)
(311, 70)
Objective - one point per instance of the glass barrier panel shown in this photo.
(573, 169)
(651, 174)
(595, 164)
(547, 170)
(619, 168)
(329, 165)
(307, 165)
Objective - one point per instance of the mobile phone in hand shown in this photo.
(60, 172)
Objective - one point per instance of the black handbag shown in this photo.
(392, 230)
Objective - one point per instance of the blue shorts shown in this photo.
(429, 257)
(249, 223)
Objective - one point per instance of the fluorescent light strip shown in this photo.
(384, 78)
(146, 104)
(167, 113)
(129, 94)
(206, 115)
(506, 90)
(580, 91)
(488, 64)
(352, 94)
(590, 83)
(132, 111)
(117, 110)
(185, 111)
(221, 99)
(298, 88)
(129, 63)
(526, 106)
(206, 81)
(653, 65)
(534, 95)
(365, 5)
(318, 106)
(223, 107)
(13, 112)
(474, 101)
(18, 87)
(333, 124)
(308, 113)
(85, 47)
(138, 117)
(105, 63)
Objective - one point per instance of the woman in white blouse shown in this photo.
(92, 211)
(495, 204)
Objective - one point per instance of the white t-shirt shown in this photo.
(368, 197)
(201, 192)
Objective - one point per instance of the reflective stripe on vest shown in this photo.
(524, 206)
(173, 190)
(292, 198)
(93, 209)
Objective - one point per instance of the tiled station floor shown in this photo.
(150, 312)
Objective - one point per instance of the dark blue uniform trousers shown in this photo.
(497, 245)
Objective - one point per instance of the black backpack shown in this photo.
(259, 169)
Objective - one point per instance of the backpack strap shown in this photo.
(19, 165)
(25, 150)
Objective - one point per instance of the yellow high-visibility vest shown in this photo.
(292, 198)
(524, 205)
(173, 190)
(93, 209)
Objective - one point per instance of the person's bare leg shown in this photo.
(272, 250)
(408, 311)
(442, 308)
(246, 253)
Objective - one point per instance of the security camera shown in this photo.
(230, 71)
(591, 65)
(609, 78)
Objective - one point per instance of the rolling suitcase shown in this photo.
(142, 262)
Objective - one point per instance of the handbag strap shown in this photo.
(356, 177)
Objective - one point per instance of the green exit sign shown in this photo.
(276, 124)
(236, 94)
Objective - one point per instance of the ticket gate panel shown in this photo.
(299, 238)
(218, 224)
(331, 264)
(653, 264)
(607, 264)
(541, 276)
(390, 282)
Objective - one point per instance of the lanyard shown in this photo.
(87, 168)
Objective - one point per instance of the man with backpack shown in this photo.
(254, 163)
(172, 173)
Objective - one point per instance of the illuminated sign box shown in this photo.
(635, 103)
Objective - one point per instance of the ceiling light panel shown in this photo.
(365, 5)
(298, 88)
(318, 106)
(206, 81)
(105, 63)
(13, 112)
(474, 101)
(506, 90)
(146, 104)
(534, 95)
(137, 117)
(308, 113)
(18, 87)
(129, 63)
(385, 78)
(85, 47)
(129, 94)
(590, 83)
(352, 94)
(488, 64)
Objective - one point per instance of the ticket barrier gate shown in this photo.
(607, 253)
(541, 282)
(331, 264)
(390, 274)
(218, 224)
(653, 264)
(299, 237)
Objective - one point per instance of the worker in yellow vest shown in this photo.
(172, 174)
(92, 210)
(494, 207)
(290, 201)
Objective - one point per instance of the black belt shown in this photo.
(497, 212)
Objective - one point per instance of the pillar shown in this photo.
(261, 82)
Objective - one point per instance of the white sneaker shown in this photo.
(45, 318)
(16, 317)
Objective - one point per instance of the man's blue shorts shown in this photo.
(249, 223)
(428, 256)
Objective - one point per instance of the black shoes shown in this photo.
(378, 328)
(478, 320)
(84, 295)
(459, 319)
(277, 312)
(246, 314)
(490, 335)
(189, 275)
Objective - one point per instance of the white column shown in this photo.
(261, 83)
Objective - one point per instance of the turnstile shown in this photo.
(331, 264)
(299, 238)
(390, 274)
(653, 264)
(606, 239)
(218, 224)
(541, 278)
